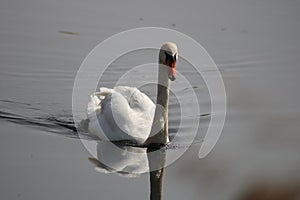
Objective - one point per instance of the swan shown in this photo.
(126, 114)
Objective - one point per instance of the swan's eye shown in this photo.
(175, 56)
(170, 57)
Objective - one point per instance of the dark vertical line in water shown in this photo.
(156, 159)
(156, 184)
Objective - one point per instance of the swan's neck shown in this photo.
(159, 132)
(163, 87)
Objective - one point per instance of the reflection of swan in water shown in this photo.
(132, 161)
(124, 160)
(125, 113)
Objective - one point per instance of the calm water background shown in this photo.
(42, 44)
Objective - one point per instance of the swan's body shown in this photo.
(125, 113)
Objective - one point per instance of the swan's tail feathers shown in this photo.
(93, 105)
(103, 92)
(95, 102)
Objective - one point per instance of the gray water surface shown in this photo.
(255, 44)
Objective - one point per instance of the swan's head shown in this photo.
(168, 55)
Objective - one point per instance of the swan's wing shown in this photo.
(124, 113)
(141, 102)
(125, 91)
(136, 99)
(115, 111)
(142, 108)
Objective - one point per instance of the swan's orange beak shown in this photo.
(171, 69)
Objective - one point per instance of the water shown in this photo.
(254, 43)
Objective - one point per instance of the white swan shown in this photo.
(125, 113)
